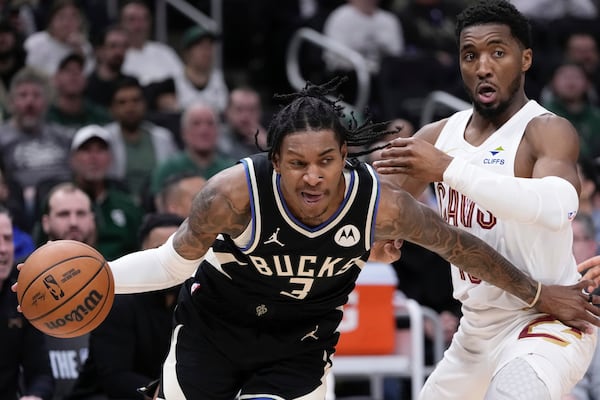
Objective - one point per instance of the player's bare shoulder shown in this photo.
(431, 131)
(223, 204)
(547, 130)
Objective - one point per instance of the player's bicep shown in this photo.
(222, 206)
(549, 159)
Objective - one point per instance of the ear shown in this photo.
(276, 163)
(344, 151)
(526, 60)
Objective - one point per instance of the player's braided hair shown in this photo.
(311, 109)
(499, 12)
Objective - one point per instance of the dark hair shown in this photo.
(171, 183)
(99, 39)
(157, 220)
(125, 82)
(5, 210)
(312, 110)
(58, 5)
(499, 12)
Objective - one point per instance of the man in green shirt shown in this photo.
(199, 132)
(116, 213)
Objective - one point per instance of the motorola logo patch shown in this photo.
(347, 236)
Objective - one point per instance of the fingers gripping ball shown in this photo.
(65, 288)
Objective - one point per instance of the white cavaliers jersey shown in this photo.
(541, 253)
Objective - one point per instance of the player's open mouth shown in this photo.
(312, 198)
(486, 93)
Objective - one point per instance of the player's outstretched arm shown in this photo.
(400, 215)
(222, 206)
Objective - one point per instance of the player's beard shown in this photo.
(494, 110)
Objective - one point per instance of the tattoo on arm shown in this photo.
(213, 212)
(423, 226)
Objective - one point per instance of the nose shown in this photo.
(484, 66)
(313, 176)
(73, 219)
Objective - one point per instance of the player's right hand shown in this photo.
(570, 305)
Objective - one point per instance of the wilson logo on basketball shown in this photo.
(79, 312)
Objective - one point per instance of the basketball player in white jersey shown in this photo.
(505, 171)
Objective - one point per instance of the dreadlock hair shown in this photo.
(495, 11)
(311, 109)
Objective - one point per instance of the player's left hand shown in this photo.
(571, 305)
(386, 251)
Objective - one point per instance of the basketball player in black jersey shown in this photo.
(275, 244)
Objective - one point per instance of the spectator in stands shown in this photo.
(585, 246)
(428, 27)
(11, 197)
(584, 238)
(116, 212)
(201, 81)
(242, 122)
(110, 54)
(138, 146)
(371, 31)
(70, 108)
(27, 136)
(117, 215)
(366, 28)
(147, 60)
(68, 215)
(569, 86)
(552, 10)
(64, 34)
(177, 192)
(21, 15)
(582, 48)
(12, 59)
(128, 349)
(589, 197)
(24, 357)
(199, 129)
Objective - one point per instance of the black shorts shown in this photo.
(213, 357)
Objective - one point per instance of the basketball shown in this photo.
(65, 288)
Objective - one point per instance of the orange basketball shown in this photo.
(65, 288)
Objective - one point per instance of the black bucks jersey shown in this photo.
(282, 270)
